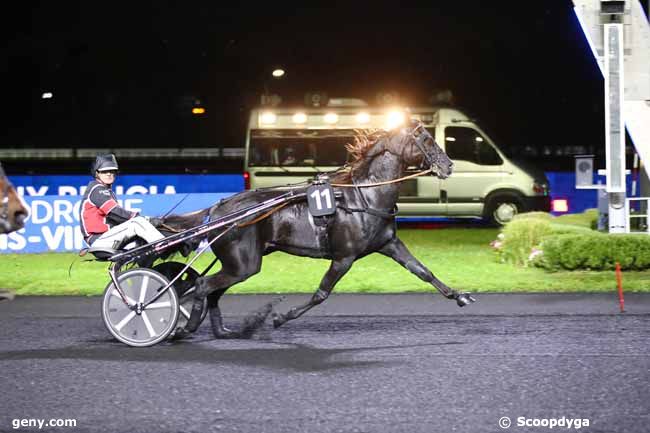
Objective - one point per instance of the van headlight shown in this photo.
(268, 118)
(394, 119)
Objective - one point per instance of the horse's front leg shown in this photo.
(337, 269)
(396, 250)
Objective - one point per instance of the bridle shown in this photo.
(390, 213)
(419, 134)
(419, 140)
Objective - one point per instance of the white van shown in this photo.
(289, 145)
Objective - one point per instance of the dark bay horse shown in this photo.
(364, 223)
(13, 209)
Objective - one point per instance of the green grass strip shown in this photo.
(460, 257)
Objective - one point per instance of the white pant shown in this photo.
(135, 227)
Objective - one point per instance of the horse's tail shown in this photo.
(186, 221)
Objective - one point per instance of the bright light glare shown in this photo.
(299, 118)
(198, 110)
(331, 118)
(394, 119)
(277, 73)
(363, 117)
(47, 95)
(268, 118)
(560, 205)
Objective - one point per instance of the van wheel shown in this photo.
(502, 210)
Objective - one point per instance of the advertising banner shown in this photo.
(43, 185)
(54, 200)
(53, 223)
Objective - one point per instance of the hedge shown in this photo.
(556, 243)
(594, 251)
(525, 233)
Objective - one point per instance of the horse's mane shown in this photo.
(364, 140)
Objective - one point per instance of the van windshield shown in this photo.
(306, 147)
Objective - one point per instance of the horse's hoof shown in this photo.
(223, 333)
(180, 333)
(278, 320)
(464, 299)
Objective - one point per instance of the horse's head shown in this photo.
(13, 209)
(418, 148)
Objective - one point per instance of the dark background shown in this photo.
(127, 74)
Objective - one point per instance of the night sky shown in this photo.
(124, 74)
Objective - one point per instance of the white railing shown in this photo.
(631, 215)
(47, 153)
(135, 152)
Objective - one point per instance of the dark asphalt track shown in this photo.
(359, 363)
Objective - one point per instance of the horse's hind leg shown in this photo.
(337, 269)
(396, 250)
(239, 262)
(216, 321)
(213, 286)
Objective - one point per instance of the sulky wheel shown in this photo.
(184, 287)
(140, 327)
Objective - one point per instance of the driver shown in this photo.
(104, 223)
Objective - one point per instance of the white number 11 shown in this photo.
(326, 194)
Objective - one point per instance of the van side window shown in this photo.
(467, 144)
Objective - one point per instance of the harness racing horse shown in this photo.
(363, 223)
(13, 209)
(13, 212)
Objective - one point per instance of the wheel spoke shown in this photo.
(124, 321)
(130, 300)
(147, 323)
(143, 287)
(159, 305)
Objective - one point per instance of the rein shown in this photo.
(366, 208)
(392, 212)
(419, 142)
(261, 217)
(246, 224)
(338, 185)
(386, 182)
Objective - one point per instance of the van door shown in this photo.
(421, 196)
(477, 168)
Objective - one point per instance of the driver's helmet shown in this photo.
(105, 163)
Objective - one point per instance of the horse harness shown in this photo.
(390, 213)
(322, 223)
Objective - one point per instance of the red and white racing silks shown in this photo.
(100, 211)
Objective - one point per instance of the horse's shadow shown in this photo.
(293, 357)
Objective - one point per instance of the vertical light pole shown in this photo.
(612, 12)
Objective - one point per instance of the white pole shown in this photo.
(614, 127)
